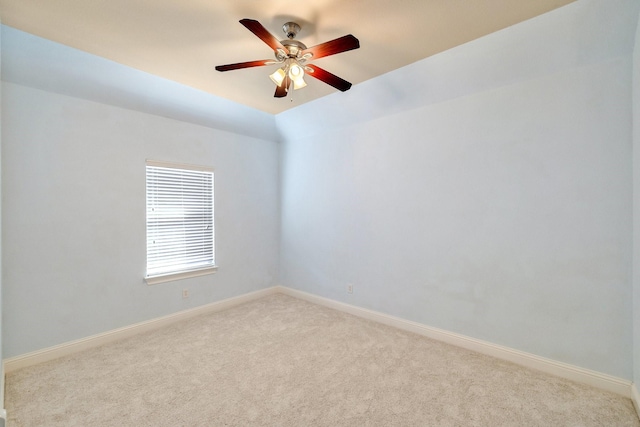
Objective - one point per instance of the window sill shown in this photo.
(154, 280)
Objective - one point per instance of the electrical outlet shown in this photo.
(185, 293)
(349, 288)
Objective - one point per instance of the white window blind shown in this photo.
(180, 233)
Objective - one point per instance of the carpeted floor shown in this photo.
(280, 361)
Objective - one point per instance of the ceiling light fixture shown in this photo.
(292, 69)
(292, 58)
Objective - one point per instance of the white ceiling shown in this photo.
(184, 40)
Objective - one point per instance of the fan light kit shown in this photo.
(292, 56)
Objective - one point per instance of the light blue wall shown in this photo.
(636, 210)
(494, 199)
(1, 303)
(486, 190)
(73, 185)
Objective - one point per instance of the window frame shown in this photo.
(182, 273)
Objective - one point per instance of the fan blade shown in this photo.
(332, 47)
(283, 89)
(328, 78)
(263, 34)
(241, 65)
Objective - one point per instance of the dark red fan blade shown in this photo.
(240, 65)
(283, 89)
(328, 78)
(332, 47)
(256, 28)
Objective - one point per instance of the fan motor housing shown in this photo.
(294, 47)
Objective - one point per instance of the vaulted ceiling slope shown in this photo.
(183, 41)
(579, 34)
(32, 61)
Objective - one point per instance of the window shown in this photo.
(180, 233)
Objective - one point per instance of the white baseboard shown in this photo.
(560, 369)
(29, 359)
(2, 384)
(3, 412)
(564, 370)
(635, 398)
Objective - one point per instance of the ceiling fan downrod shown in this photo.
(291, 29)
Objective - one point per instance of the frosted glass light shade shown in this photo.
(278, 76)
(299, 83)
(297, 76)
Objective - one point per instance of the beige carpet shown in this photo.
(279, 361)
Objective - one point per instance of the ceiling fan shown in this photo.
(293, 56)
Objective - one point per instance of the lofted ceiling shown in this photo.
(184, 40)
